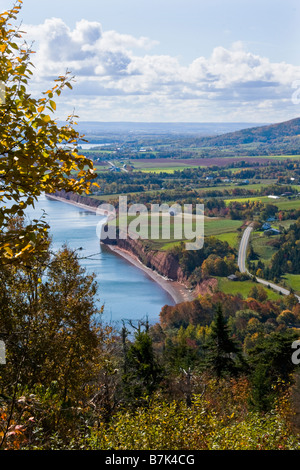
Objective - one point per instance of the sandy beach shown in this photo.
(96, 210)
(73, 203)
(176, 290)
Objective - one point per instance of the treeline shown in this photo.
(287, 257)
(216, 258)
(120, 182)
(210, 370)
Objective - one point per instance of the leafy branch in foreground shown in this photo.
(36, 155)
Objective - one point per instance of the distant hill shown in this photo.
(202, 129)
(282, 133)
(209, 139)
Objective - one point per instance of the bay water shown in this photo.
(126, 292)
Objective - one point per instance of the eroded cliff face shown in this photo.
(164, 263)
(88, 201)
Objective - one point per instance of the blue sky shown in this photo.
(163, 60)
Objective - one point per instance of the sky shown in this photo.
(168, 60)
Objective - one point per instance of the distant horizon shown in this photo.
(177, 122)
(187, 123)
(195, 62)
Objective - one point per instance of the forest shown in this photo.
(220, 372)
(215, 373)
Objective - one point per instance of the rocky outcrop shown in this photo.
(208, 286)
(164, 263)
(77, 198)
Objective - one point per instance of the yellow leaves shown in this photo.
(34, 162)
(10, 254)
(52, 104)
(46, 118)
(8, 251)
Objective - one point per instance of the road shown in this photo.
(242, 263)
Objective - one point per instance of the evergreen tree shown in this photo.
(271, 365)
(142, 372)
(224, 356)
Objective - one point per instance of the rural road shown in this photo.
(242, 263)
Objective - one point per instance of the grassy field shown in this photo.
(164, 169)
(155, 230)
(243, 288)
(265, 252)
(293, 281)
(220, 227)
(166, 165)
(230, 186)
(232, 238)
(282, 203)
(260, 246)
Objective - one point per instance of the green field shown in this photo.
(265, 252)
(219, 227)
(224, 229)
(242, 287)
(259, 243)
(293, 281)
(232, 238)
(229, 186)
(168, 165)
(282, 203)
(164, 169)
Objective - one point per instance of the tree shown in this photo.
(262, 395)
(271, 368)
(56, 345)
(258, 293)
(142, 372)
(223, 355)
(36, 155)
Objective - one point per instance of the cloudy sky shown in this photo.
(168, 60)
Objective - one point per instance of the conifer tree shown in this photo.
(223, 357)
(142, 372)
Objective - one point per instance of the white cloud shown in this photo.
(116, 73)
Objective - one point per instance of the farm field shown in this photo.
(230, 186)
(223, 229)
(242, 287)
(260, 245)
(232, 238)
(264, 251)
(293, 281)
(158, 163)
(282, 203)
(220, 227)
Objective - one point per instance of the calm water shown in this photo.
(126, 291)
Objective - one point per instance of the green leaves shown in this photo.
(32, 157)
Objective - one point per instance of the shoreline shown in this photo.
(178, 292)
(96, 210)
(175, 289)
(73, 203)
